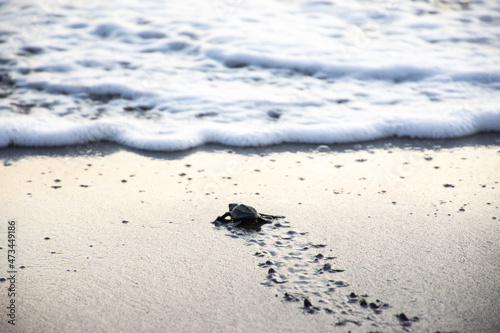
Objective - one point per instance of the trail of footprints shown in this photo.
(304, 273)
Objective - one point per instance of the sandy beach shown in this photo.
(112, 239)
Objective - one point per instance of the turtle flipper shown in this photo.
(264, 220)
(223, 218)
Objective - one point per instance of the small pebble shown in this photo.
(307, 303)
(402, 317)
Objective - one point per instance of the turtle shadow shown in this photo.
(242, 226)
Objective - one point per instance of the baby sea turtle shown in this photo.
(246, 216)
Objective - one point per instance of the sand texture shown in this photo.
(119, 240)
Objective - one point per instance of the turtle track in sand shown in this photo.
(306, 273)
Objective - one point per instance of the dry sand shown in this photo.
(131, 247)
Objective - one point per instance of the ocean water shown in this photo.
(171, 75)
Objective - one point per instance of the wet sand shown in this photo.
(113, 239)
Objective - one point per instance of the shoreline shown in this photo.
(129, 232)
(478, 139)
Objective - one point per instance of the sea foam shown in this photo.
(179, 75)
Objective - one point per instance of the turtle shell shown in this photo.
(244, 212)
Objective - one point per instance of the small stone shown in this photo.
(47, 238)
(307, 303)
(271, 271)
(363, 302)
(402, 317)
(353, 295)
(275, 114)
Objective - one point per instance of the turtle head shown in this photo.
(232, 206)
